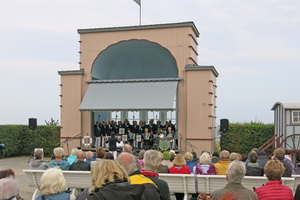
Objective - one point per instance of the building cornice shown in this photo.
(201, 68)
(72, 72)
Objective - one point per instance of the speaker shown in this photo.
(32, 123)
(224, 125)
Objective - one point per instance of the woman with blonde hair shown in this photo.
(274, 189)
(188, 156)
(110, 181)
(53, 185)
(205, 167)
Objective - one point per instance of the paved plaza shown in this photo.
(18, 164)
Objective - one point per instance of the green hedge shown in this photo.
(20, 140)
(241, 138)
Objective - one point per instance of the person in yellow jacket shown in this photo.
(129, 162)
(223, 163)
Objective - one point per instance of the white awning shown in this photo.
(130, 96)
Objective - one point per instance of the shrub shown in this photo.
(241, 138)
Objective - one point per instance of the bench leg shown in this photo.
(34, 194)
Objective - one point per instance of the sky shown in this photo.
(254, 45)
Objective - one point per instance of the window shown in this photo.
(133, 116)
(296, 116)
(153, 115)
(171, 115)
(116, 116)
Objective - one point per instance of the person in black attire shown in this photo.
(98, 134)
(80, 165)
(279, 155)
(253, 168)
(112, 142)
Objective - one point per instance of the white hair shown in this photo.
(152, 160)
(74, 151)
(128, 161)
(9, 187)
(52, 181)
(58, 152)
(236, 172)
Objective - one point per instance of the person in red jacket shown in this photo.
(179, 168)
(273, 189)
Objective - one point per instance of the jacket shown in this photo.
(63, 165)
(274, 190)
(191, 165)
(59, 196)
(205, 169)
(151, 191)
(253, 169)
(117, 191)
(221, 166)
(38, 164)
(238, 189)
(179, 170)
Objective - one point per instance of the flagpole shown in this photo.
(140, 12)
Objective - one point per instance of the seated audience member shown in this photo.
(9, 189)
(173, 154)
(253, 168)
(53, 185)
(80, 165)
(215, 157)
(128, 161)
(223, 163)
(152, 160)
(7, 173)
(127, 148)
(274, 189)
(235, 173)
(297, 193)
(205, 167)
(288, 159)
(189, 161)
(262, 158)
(195, 158)
(38, 162)
(109, 156)
(140, 158)
(100, 153)
(89, 157)
(234, 156)
(179, 166)
(110, 181)
(58, 161)
(166, 159)
(279, 155)
(73, 157)
(244, 158)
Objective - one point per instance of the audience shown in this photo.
(73, 157)
(279, 155)
(110, 181)
(274, 189)
(140, 158)
(7, 173)
(205, 167)
(127, 148)
(58, 161)
(80, 165)
(235, 173)
(215, 157)
(253, 168)
(89, 157)
(262, 158)
(9, 189)
(234, 156)
(38, 162)
(100, 153)
(166, 159)
(195, 158)
(189, 161)
(128, 161)
(223, 163)
(109, 156)
(53, 185)
(179, 166)
(152, 160)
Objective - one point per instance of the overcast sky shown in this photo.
(254, 45)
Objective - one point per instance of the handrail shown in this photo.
(186, 142)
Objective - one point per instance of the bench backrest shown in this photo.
(74, 179)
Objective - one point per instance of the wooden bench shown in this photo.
(178, 183)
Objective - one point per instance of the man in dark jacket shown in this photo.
(80, 165)
(253, 168)
(128, 161)
(279, 155)
(262, 158)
